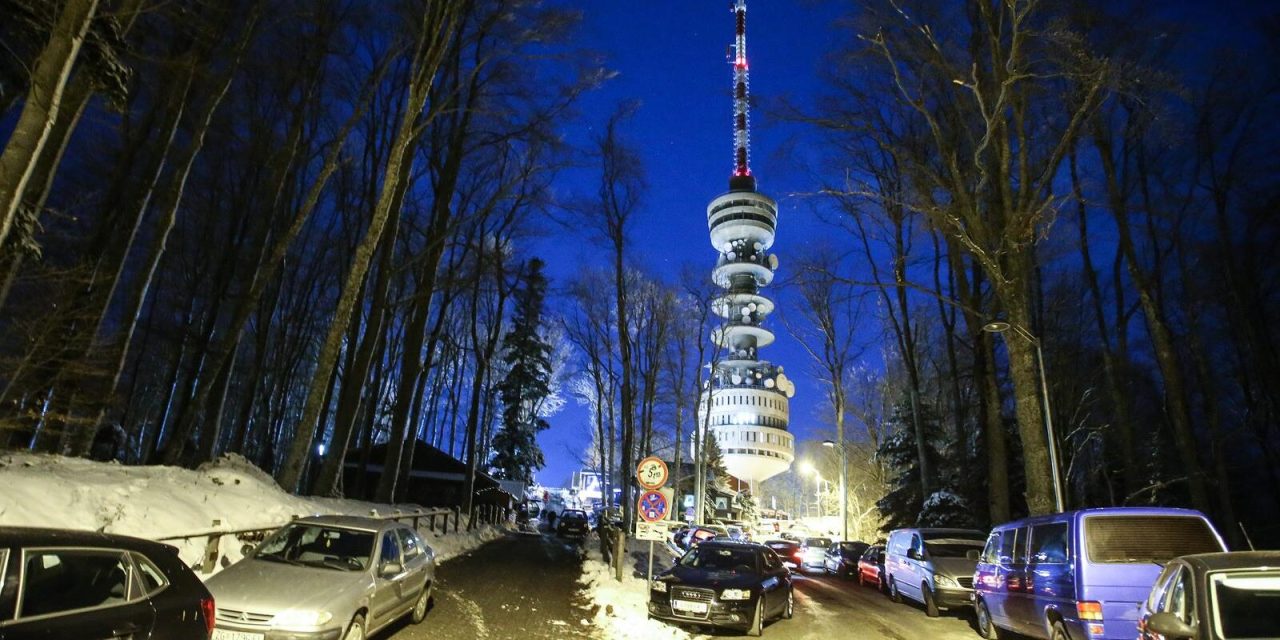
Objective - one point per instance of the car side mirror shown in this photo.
(913, 554)
(972, 554)
(390, 570)
(246, 550)
(1170, 626)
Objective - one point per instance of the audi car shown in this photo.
(724, 583)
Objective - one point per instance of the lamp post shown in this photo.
(844, 486)
(999, 326)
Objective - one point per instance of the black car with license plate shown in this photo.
(573, 523)
(787, 550)
(724, 583)
(85, 585)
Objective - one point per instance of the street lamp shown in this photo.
(1000, 326)
(844, 486)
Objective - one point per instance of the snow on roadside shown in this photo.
(155, 502)
(622, 608)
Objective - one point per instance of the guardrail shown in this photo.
(213, 537)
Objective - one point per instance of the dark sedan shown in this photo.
(92, 586)
(842, 559)
(1210, 596)
(787, 550)
(573, 523)
(724, 583)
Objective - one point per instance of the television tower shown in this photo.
(748, 399)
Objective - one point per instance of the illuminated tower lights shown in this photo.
(749, 408)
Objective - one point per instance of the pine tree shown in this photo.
(904, 505)
(527, 383)
(717, 476)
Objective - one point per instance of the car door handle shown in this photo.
(125, 631)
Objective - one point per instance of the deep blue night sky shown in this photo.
(671, 58)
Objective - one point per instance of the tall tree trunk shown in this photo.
(40, 111)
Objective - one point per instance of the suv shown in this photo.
(57, 583)
(1066, 574)
(932, 566)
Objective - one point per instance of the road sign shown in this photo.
(651, 472)
(652, 506)
(652, 531)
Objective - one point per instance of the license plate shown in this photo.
(225, 634)
(689, 607)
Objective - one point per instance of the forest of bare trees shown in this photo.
(294, 230)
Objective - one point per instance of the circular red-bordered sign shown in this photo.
(652, 506)
(651, 473)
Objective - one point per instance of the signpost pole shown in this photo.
(650, 562)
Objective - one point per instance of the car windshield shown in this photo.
(1246, 604)
(574, 515)
(717, 558)
(821, 543)
(319, 546)
(852, 548)
(953, 547)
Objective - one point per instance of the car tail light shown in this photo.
(1089, 610)
(207, 608)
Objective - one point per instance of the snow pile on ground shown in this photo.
(622, 610)
(157, 502)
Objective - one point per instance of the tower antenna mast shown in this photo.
(741, 102)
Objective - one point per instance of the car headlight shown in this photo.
(300, 619)
(945, 581)
(659, 586)
(735, 594)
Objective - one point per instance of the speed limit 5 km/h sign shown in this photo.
(651, 473)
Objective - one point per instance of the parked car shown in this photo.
(1081, 574)
(57, 583)
(1215, 595)
(871, 567)
(932, 566)
(325, 577)
(724, 583)
(788, 551)
(702, 533)
(572, 522)
(842, 559)
(813, 553)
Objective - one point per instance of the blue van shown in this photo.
(1081, 575)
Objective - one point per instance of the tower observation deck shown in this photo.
(746, 404)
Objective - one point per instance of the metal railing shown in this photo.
(213, 537)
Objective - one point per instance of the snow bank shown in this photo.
(622, 610)
(157, 502)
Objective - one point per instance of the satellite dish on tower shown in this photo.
(737, 379)
(770, 383)
(773, 261)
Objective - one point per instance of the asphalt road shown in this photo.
(525, 586)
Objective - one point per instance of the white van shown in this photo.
(932, 566)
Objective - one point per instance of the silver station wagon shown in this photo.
(325, 578)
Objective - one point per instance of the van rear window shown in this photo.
(1130, 539)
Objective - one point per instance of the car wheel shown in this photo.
(420, 607)
(930, 605)
(790, 610)
(1059, 632)
(893, 591)
(987, 628)
(356, 630)
(757, 620)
